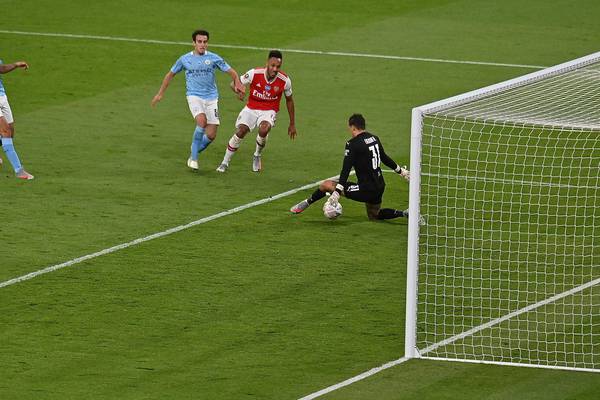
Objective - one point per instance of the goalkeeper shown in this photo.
(364, 152)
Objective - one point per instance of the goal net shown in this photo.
(506, 268)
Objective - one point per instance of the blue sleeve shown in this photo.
(222, 64)
(178, 66)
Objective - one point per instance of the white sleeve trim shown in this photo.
(287, 89)
(246, 79)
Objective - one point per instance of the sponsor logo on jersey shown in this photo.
(262, 95)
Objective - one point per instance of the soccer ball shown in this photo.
(332, 211)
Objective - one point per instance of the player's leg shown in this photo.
(197, 139)
(232, 146)
(390, 213)
(266, 121)
(325, 187)
(198, 110)
(212, 123)
(375, 212)
(7, 131)
(246, 121)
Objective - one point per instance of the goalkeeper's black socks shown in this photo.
(317, 195)
(390, 213)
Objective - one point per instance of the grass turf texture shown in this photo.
(261, 304)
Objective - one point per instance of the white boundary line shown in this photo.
(511, 315)
(462, 336)
(230, 46)
(158, 235)
(357, 378)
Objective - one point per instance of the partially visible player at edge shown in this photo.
(202, 94)
(7, 126)
(364, 152)
(267, 85)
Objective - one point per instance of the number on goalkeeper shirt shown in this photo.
(376, 160)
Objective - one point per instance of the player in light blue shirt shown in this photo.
(200, 66)
(7, 127)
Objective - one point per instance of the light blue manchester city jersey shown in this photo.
(2, 92)
(200, 73)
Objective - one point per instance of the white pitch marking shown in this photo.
(317, 52)
(508, 316)
(357, 378)
(158, 235)
(463, 335)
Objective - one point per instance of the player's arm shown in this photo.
(237, 87)
(246, 80)
(387, 161)
(5, 68)
(346, 168)
(163, 87)
(289, 103)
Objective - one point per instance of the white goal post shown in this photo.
(506, 267)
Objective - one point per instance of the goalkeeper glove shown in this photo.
(404, 172)
(334, 198)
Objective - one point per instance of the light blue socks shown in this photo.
(197, 143)
(11, 154)
(204, 142)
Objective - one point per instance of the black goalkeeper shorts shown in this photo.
(354, 192)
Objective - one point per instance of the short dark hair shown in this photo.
(200, 32)
(358, 121)
(276, 54)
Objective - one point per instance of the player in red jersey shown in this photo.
(267, 86)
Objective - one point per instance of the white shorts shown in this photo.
(210, 108)
(253, 118)
(5, 110)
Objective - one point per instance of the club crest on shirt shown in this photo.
(207, 62)
(276, 89)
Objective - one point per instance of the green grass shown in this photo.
(259, 304)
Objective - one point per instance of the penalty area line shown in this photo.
(301, 51)
(157, 235)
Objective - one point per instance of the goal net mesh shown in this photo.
(510, 189)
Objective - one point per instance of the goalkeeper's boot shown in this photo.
(256, 164)
(22, 174)
(298, 208)
(193, 164)
(223, 167)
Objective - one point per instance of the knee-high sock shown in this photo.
(232, 146)
(11, 154)
(390, 213)
(261, 142)
(196, 142)
(317, 195)
(204, 143)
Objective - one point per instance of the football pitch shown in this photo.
(242, 300)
